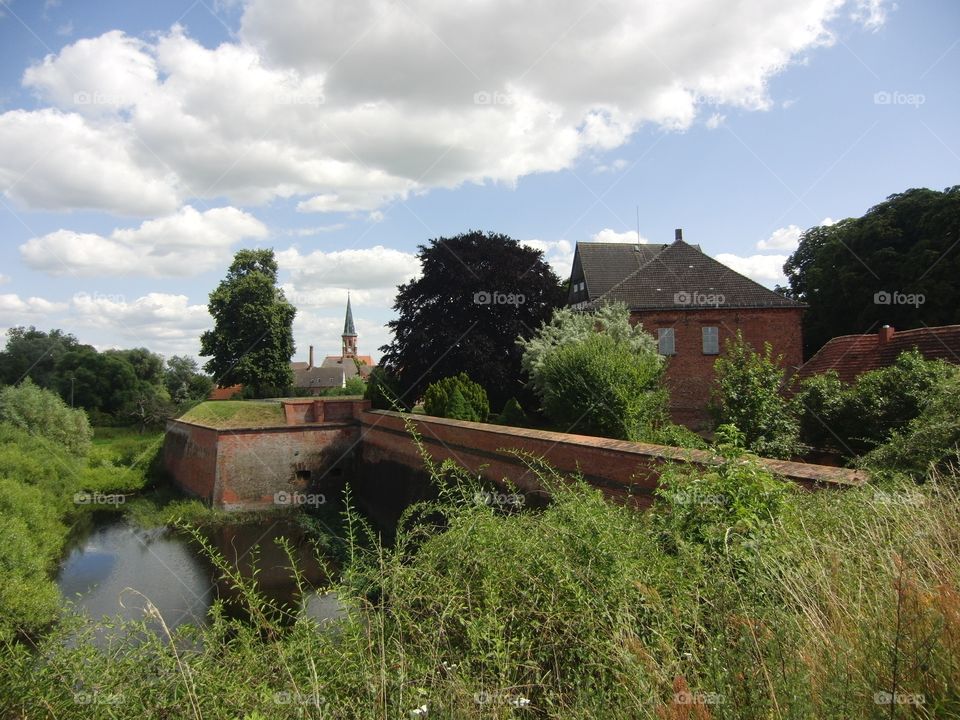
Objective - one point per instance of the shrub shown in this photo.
(440, 399)
(44, 414)
(512, 414)
(853, 419)
(929, 442)
(383, 391)
(747, 394)
(602, 386)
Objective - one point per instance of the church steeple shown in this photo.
(349, 333)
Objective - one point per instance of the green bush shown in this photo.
(43, 414)
(440, 399)
(602, 386)
(512, 414)
(854, 418)
(928, 443)
(383, 391)
(747, 394)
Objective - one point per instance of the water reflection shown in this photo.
(115, 569)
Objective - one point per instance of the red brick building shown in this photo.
(692, 304)
(853, 355)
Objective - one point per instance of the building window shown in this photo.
(665, 341)
(711, 341)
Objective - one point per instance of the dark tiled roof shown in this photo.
(853, 355)
(677, 276)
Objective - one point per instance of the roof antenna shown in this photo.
(638, 224)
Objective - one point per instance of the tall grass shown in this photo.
(736, 597)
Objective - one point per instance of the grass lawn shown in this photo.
(235, 413)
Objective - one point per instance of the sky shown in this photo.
(143, 143)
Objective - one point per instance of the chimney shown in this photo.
(310, 363)
(885, 335)
(678, 234)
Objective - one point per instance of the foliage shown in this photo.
(34, 354)
(184, 381)
(727, 508)
(669, 433)
(477, 292)
(382, 390)
(568, 326)
(846, 264)
(44, 415)
(747, 394)
(929, 442)
(457, 397)
(512, 414)
(766, 604)
(252, 340)
(602, 386)
(853, 419)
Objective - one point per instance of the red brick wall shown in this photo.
(620, 468)
(190, 456)
(690, 372)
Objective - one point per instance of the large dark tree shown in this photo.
(477, 293)
(33, 353)
(252, 339)
(870, 271)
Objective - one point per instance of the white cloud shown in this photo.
(180, 245)
(322, 279)
(4, 279)
(348, 107)
(785, 238)
(558, 253)
(13, 308)
(715, 121)
(612, 236)
(163, 322)
(614, 166)
(765, 269)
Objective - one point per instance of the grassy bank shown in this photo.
(738, 597)
(236, 413)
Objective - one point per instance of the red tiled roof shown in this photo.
(224, 393)
(853, 355)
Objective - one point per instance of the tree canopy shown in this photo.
(899, 265)
(477, 293)
(252, 339)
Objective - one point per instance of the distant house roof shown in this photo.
(225, 393)
(348, 366)
(319, 377)
(675, 276)
(853, 355)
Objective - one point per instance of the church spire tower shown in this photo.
(349, 333)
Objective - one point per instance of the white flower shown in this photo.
(419, 712)
(519, 701)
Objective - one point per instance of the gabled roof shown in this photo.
(675, 276)
(853, 355)
(318, 377)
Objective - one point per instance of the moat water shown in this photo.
(116, 569)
